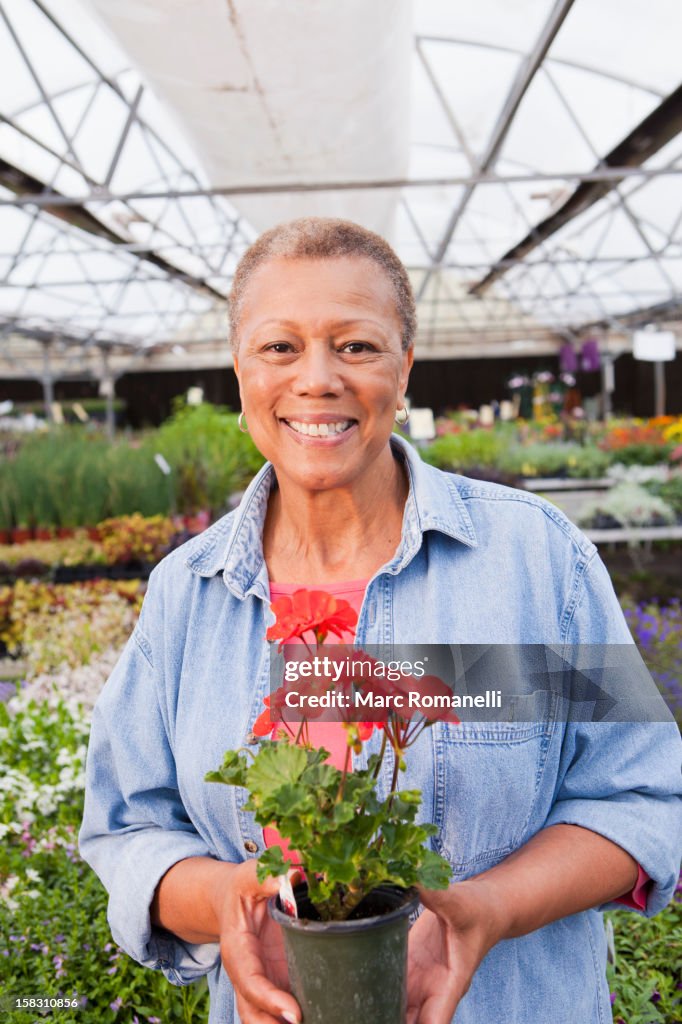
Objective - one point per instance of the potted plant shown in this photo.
(361, 856)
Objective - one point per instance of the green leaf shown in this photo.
(232, 771)
(271, 862)
(434, 871)
(293, 799)
(343, 813)
(275, 765)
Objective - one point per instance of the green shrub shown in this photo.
(136, 484)
(646, 979)
(470, 448)
(589, 463)
(6, 496)
(72, 476)
(209, 456)
(643, 454)
(541, 458)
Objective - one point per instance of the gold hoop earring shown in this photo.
(402, 416)
(242, 424)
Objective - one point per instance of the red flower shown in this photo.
(365, 729)
(313, 610)
(264, 725)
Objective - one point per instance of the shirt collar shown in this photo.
(233, 545)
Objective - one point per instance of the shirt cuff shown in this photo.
(636, 898)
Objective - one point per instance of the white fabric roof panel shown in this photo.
(112, 101)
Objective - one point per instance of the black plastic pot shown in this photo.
(350, 972)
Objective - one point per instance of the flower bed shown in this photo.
(646, 979)
(50, 625)
(56, 939)
(125, 541)
(552, 447)
(70, 476)
(658, 633)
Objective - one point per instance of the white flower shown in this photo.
(33, 875)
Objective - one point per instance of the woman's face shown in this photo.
(321, 367)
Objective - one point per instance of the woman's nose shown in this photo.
(317, 372)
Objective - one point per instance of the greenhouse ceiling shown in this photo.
(523, 156)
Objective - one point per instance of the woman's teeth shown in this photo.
(319, 429)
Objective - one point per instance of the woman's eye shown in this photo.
(355, 347)
(279, 347)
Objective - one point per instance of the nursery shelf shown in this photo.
(635, 533)
(553, 483)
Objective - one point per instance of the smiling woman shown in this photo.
(322, 372)
(544, 823)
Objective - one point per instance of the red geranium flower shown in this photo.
(313, 610)
(365, 729)
(264, 725)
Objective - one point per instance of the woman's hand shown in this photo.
(446, 945)
(252, 950)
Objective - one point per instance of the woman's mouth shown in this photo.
(320, 429)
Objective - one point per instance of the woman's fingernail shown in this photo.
(289, 1018)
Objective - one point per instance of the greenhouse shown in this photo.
(521, 164)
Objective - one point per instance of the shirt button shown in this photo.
(250, 846)
(251, 738)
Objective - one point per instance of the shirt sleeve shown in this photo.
(135, 826)
(622, 779)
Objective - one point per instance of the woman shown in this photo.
(541, 822)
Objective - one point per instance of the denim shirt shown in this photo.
(476, 563)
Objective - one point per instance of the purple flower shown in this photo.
(116, 1005)
(112, 970)
(655, 996)
(613, 998)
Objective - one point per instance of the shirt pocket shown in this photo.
(488, 781)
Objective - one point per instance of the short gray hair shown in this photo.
(324, 238)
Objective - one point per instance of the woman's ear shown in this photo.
(235, 366)
(408, 360)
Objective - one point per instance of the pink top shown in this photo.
(332, 735)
